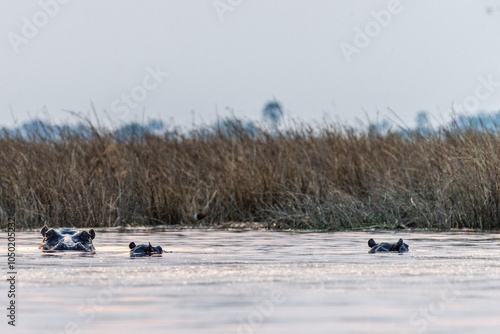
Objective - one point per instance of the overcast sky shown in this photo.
(237, 54)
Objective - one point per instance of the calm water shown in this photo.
(259, 282)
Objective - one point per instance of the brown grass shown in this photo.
(322, 177)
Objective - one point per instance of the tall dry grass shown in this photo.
(322, 177)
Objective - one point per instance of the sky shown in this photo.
(189, 62)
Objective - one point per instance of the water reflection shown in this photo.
(66, 253)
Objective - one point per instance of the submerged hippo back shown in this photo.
(67, 239)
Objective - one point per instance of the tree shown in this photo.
(272, 112)
(422, 119)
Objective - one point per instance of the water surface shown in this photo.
(260, 282)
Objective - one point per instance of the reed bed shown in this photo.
(325, 176)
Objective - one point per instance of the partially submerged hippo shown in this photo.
(399, 247)
(144, 250)
(67, 239)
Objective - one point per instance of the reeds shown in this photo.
(313, 177)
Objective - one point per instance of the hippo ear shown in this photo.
(51, 234)
(132, 245)
(92, 233)
(371, 243)
(400, 243)
(44, 230)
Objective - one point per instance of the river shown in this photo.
(258, 282)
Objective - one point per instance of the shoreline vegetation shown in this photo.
(323, 177)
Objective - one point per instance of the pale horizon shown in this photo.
(181, 61)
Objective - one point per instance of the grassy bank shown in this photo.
(311, 177)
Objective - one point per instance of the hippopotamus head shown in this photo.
(67, 239)
(144, 250)
(399, 247)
